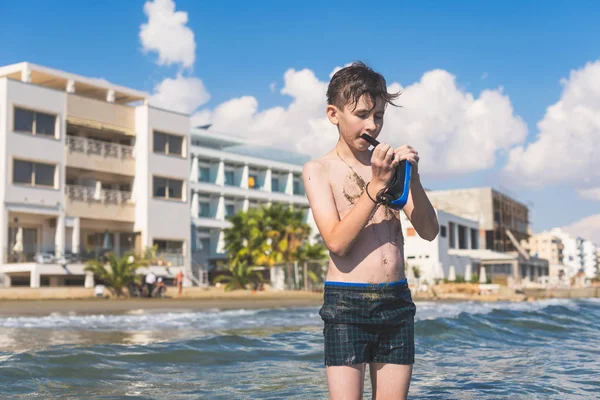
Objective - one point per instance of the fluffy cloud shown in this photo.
(588, 228)
(453, 131)
(182, 94)
(567, 147)
(166, 33)
(302, 126)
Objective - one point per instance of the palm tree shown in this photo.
(116, 273)
(308, 253)
(241, 276)
(292, 233)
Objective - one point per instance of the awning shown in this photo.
(99, 125)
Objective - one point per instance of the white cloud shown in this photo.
(302, 126)
(589, 194)
(453, 131)
(166, 33)
(588, 228)
(567, 147)
(182, 94)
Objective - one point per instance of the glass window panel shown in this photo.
(45, 124)
(160, 187)
(22, 172)
(44, 174)
(176, 145)
(175, 189)
(160, 142)
(274, 184)
(204, 209)
(229, 209)
(23, 120)
(229, 178)
(204, 174)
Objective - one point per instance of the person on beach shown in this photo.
(179, 282)
(368, 311)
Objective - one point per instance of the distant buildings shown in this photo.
(476, 230)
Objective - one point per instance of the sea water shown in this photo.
(464, 350)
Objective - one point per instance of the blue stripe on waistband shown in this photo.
(360, 284)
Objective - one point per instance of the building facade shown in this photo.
(545, 245)
(86, 168)
(499, 216)
(229, 175)
(573, 254)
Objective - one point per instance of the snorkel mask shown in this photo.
(395, 195)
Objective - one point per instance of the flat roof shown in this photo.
(56, 79)
(482, 254)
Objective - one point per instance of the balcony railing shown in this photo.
(100, 148)
(90, 194)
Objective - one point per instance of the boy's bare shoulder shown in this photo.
(318, 167)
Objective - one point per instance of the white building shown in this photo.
(229, 175)
(573, 255)
(87, 167)
(590, 260)
(456, 251)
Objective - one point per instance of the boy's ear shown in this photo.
(332, 114)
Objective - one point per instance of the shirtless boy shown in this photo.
(368, 310)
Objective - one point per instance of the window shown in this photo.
(229, 178)
(168, 188)
(204, 209)
(204, 245)
(297, 187)
(204, 174)
(474, 239)
(34, 122)
(168, 246)
(229, 210)
(33, 174)
(275, 184)
(411, 232)
(252, 181)
(462, 237)
(165, 143)
(443, 231)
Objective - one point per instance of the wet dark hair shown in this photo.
(350, 83)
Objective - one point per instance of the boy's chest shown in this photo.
(348, 185)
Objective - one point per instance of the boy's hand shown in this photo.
(409, 154)
(383, 165)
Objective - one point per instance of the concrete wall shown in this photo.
(432, 257)
(30, 147)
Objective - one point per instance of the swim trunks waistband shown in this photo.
(365, 285)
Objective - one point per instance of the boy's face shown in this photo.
(353, 122)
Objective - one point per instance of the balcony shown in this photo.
(100, 156)
(88, 202)
(100, 114)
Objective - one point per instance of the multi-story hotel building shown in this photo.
(88, 167)
(230, 175)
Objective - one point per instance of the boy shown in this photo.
(368, 310)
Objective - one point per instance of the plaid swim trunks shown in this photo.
(368, 323)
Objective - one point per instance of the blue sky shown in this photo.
(243, 49)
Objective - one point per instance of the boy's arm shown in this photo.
(337, 234)
(420, 212)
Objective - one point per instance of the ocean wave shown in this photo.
(144, 320)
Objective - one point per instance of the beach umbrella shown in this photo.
(468, 272)
(18, 247)
(482, 275)
(452, 274)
